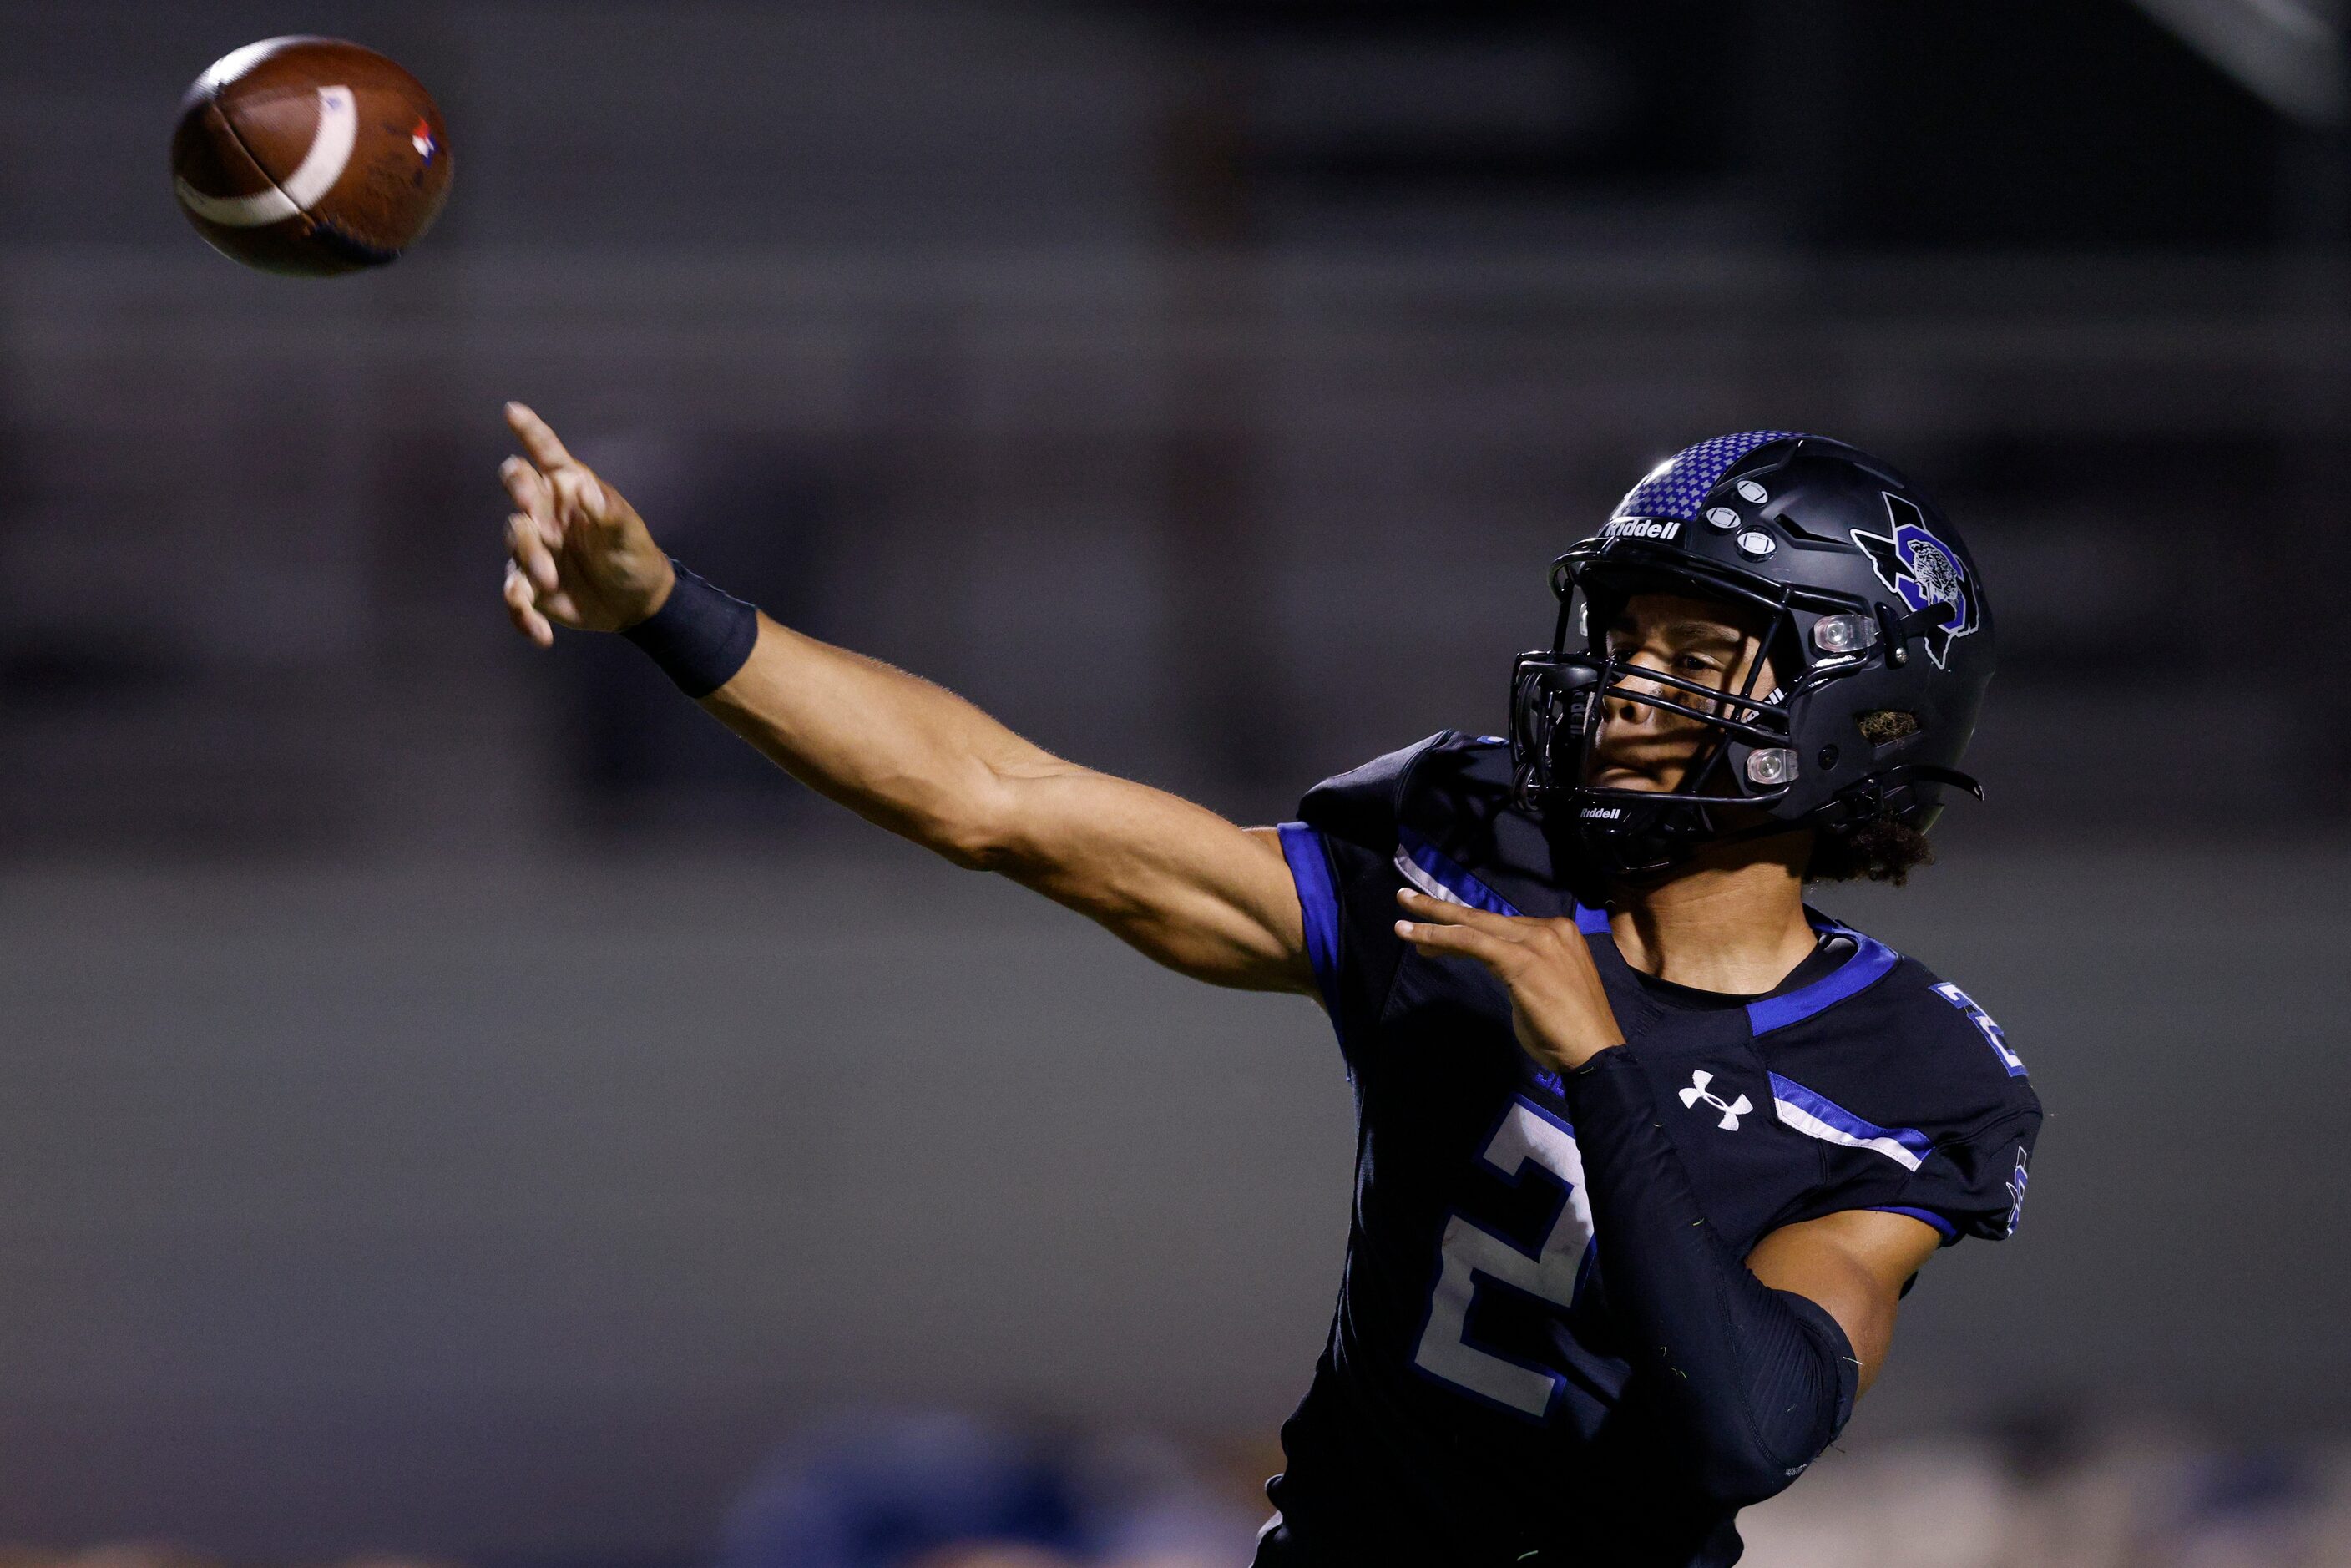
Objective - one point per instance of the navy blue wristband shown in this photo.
(699, 636)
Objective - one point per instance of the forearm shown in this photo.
(898, 750)
(1753, 1382)
(1172, 879)
(1181, 884)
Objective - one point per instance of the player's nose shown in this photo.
(1625, 704)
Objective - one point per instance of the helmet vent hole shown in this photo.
(1884, 725)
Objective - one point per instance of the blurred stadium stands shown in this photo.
(456, 1101)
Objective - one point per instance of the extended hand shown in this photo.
(579, 555)
(1557, 1003)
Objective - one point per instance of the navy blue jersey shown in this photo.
(1465, 1408)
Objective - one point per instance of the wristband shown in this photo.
(699, 636)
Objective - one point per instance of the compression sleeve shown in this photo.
(1753, 1382)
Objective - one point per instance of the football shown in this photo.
(310, 156)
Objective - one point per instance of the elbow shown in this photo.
(1741, 1474)
(1742, 1456)
(1737, 1454)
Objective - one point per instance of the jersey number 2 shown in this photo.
(1472, 1254)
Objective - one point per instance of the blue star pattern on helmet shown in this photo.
(1674, 487)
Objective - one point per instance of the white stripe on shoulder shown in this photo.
(1412, 872)
(1794, 1115)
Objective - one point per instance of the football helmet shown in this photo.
(1874, 621)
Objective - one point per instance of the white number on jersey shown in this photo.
(1528, 1135)
(1993, 1032)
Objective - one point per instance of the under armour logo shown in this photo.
(1731, 1109)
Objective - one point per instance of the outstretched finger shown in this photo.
(538, 438)
(1442, 911)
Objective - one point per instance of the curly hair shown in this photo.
(1882, 848)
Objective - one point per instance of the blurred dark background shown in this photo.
(456, 1101)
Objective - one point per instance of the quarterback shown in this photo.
(1649, 1150)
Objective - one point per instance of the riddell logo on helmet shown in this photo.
(1642, 528)
(1603, 813)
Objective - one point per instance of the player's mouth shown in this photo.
(1653, 762)
(1635, 772)
(1628, 778)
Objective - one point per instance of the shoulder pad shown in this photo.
(1921, 1048)
(1959, 1038)
(1364, 805)
(1913, 1060)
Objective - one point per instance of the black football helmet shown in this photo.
(1875, 626)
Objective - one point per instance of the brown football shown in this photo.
(309, 155)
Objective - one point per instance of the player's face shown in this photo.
(1645, 747)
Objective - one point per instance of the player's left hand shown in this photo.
(1557, 1004)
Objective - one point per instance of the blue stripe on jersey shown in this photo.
(1464, 887)
(1415, 852)
(1870, 960)
(1924, 1215)
(1817, 1117)
(1318, 900)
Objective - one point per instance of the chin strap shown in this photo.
(1888, 792)
(1885, 793)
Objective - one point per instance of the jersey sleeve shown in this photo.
(1936, 1121)
(1973, 1184)
(1341, 853)
(1363, 805)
